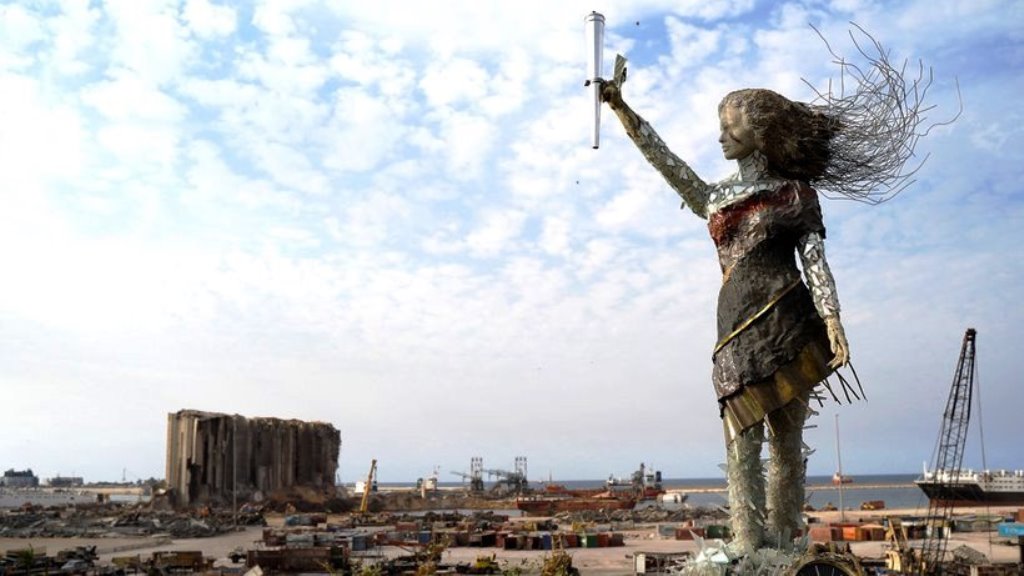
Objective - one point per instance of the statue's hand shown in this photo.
(611, 93)
(611, 90)
(837, 339)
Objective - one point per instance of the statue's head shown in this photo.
(793, 136)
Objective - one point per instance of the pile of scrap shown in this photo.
(35, 561)
(118, 521)
(28, 562)
(647, 515)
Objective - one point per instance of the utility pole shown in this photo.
(839, 464)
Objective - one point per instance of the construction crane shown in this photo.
(364, 504)
(949, 456)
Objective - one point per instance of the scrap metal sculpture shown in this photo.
(779, 335)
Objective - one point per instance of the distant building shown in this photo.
(19, 479)
(66, 481)
(210, 454)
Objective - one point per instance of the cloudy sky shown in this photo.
(387, 216)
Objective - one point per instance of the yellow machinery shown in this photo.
(365, 503)
(900, 557)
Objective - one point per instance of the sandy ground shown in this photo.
(597, 561)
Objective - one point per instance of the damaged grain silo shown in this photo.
(211, 457)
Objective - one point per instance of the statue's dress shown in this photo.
(773, 346)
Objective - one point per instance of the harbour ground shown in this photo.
(597, 561)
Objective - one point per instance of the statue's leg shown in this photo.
(786, 471)
(746, 488)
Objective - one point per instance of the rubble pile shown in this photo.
(116, 521)
(648, 515)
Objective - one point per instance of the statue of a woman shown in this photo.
(777, 336)
(780, 335)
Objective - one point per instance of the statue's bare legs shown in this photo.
(786, 471)
(746, 489)
(757, 513)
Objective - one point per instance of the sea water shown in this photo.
(895, 490)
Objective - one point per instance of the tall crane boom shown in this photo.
(364, 504)
(950, 453)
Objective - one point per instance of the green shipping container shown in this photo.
(718, 531)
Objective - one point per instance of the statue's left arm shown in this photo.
(823, 292)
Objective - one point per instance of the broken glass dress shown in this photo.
(772, 346)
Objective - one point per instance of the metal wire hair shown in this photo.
(878, 115)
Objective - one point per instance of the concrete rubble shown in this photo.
(118, 521)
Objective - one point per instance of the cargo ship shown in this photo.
(644, 482)
(550, 503)
(974, 488)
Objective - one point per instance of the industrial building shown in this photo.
(211, 457)
(19, 479)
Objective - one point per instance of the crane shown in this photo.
(475, 476)
(476, 483)
(364, 504)
(514, 481)
(950, 454)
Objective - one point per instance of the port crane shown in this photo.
(948, 459)
(515, 481)
(950, 454)
(475, 476)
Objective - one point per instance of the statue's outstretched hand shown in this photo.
(837, 339)
(611, 90)
(611, 93)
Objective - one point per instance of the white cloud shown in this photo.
(127, 96)
(209, 20)
(691, 45)
(139, 148)
(496, 232)
(371, 221)
(19, 29)
(456, 82)
(287, 67)
(149, 40)
(363, 132)
(624, 208)
(555, 237)
(274, 17)
(72, 34)
(468, 140)
(41, 140)
(378, 63)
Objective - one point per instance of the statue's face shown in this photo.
(737, 138)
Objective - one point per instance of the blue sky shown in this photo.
(389, 218)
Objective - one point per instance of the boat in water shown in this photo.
(645, 483)
(967, 487)
(838, 478)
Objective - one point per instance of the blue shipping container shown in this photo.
(1010, 529)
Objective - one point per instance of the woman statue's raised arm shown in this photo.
(677, 173)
